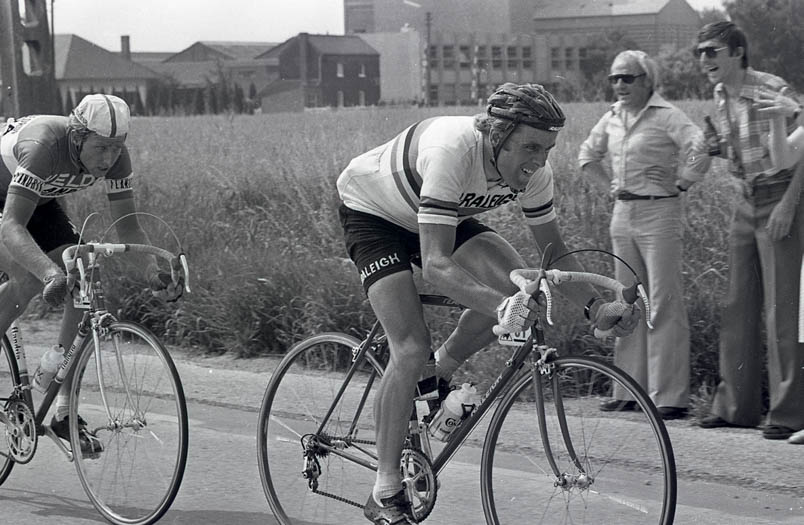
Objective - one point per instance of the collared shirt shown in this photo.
(648, 152)
(742, 125)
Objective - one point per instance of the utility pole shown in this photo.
(428, 23)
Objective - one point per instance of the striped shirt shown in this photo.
(40, 163)
(433, 173)
(742, 124)
(648, 155)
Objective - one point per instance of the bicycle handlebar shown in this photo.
(531, 280)
(72, 258)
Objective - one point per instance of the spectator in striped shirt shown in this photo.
(656, 154)
(765, 241)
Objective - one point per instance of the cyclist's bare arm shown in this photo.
(439, 268)
(549, 234)
(18, 241)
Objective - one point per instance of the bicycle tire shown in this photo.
(301, 390)
(144, 434)
(9, 380)
(628, 470)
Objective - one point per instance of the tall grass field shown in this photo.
(253, 202)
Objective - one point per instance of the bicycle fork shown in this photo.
(543, 368)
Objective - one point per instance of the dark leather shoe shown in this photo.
(714, 421)
(776, 432)
(617, 405)
(672, 412)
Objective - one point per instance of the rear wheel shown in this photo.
(138, 413)
(9, 379)
(306, 431)
(615, 467)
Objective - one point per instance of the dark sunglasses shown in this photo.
(710, 52)
(628, 79)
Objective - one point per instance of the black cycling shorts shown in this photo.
(380, 248)
(49, 226)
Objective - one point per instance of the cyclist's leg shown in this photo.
(395, 301)
(490, 258)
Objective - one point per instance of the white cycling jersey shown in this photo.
(433, 173)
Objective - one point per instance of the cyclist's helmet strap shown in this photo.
(528, 104)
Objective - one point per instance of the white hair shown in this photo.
(648, 65)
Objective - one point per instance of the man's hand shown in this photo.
(781, 219)
(616, 318)
(162, 285)
(515, 313)
(55, 290)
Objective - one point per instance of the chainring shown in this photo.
(420, 482)
(20, 432)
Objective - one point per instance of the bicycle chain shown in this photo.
(339, 498)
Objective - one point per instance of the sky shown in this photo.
(173, 25)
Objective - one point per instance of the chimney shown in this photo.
(125, 47)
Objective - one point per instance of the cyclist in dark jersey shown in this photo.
(419, 194)
(43, 158)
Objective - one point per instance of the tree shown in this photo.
(682, 76)
(775, 32)
(595, 65)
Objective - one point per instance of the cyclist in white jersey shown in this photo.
(417, 195)
(45, 157)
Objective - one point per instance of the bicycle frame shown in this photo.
(368, 350)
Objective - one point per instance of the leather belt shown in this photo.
(628, 196)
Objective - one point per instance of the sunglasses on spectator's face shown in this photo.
(710, 52)
(628, 79)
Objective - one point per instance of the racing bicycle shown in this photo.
(126, 388)
(549, 454)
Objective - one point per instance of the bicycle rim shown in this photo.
(142, 425)
(625, 470)
(301, 391)
(9, 378)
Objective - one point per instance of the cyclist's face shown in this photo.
(98, 154)
(524, 153)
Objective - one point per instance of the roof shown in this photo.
(150, 57)
(329, 45)
(548, 9)
(226, 50)
(79, 59)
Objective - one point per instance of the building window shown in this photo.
(362, 73)
(340, 99)
(569, 59)
(555, 58)
(433, 57)
(512, 52)
(448, 52)
(464, 57)
(339, 71)
(361, 97)
(433, 94)
(496, 57)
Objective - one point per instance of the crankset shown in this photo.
(20, 431)
(420, 482)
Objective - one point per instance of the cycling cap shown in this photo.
(528, 104)
(106, 115)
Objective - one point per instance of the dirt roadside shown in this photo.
(738, 457)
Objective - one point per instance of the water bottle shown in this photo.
(48, 367)
(710, 132)
(458, 405)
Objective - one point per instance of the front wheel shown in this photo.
(128, 391)
(9, 379)
(315, 442)
(613, 467)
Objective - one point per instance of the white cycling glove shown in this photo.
(515, 313)
(616, 318)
